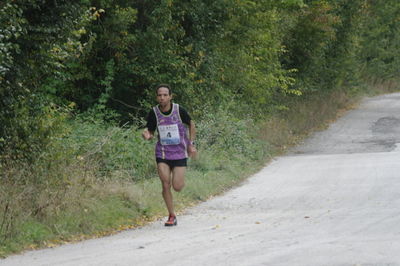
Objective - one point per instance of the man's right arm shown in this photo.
(148, 132)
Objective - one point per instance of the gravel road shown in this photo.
(334, 200)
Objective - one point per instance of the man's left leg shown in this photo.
(178, 178)
(178, 182)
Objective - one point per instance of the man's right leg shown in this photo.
(164, 172)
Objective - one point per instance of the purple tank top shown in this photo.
(172, 135)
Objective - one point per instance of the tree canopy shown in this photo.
(106, 56)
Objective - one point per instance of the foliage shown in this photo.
(322, 44)
(229, 136)
(36, 37)
(248, 60)
(380, 43)
(199, 47)
(106, 56)
(309, 40)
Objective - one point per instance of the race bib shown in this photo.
(169, 134)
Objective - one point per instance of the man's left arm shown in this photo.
(192, 131)
(192, 136)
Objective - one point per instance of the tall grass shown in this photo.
(308, 114)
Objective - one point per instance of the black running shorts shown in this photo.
(173, 163)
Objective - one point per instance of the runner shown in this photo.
(174, 144)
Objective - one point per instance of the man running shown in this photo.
(174, 144)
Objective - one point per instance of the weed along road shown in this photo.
(334, 200)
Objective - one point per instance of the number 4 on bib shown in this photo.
(169, 134)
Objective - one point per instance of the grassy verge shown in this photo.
(96, 180)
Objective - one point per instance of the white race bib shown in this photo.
(169, 134)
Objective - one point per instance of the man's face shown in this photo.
(163, 97)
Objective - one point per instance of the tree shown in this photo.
(37, 36)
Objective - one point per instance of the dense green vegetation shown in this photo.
(77, 79)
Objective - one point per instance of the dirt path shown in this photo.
(333, 201)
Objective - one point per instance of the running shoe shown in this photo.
(171, 221)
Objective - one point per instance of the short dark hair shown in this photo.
(164, 86)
